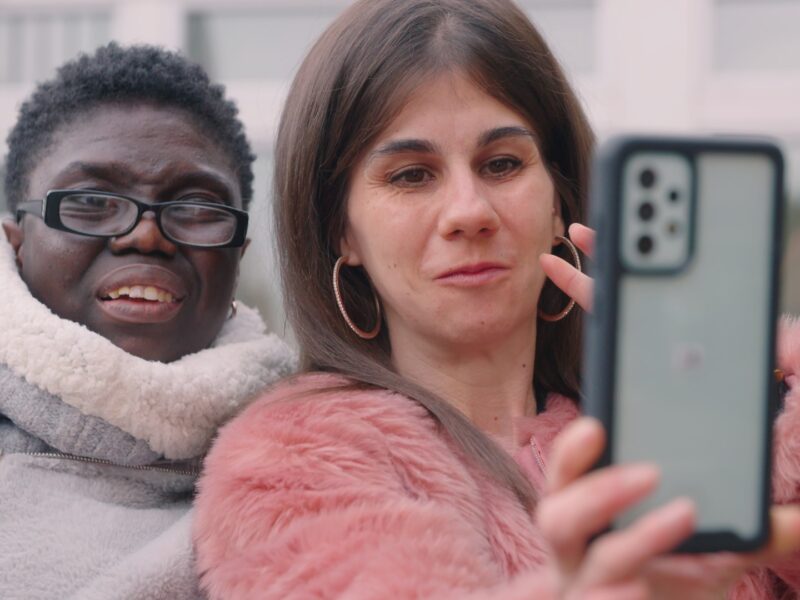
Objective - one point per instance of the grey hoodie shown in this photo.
(100, 450)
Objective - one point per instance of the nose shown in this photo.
(146, 238)
(468, 210)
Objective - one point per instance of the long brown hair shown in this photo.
(349, 88)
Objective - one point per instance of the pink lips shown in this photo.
(139, 310)
(473, 275)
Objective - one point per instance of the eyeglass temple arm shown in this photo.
(33, 207)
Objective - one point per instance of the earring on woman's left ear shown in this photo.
(233, 309)
(552, 318)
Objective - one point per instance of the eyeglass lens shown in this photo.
(191, 223)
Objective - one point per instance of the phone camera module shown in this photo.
(647, 178)
(645, 244)
(646, 211)
(673, 228)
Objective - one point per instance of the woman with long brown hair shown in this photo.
(430, 159)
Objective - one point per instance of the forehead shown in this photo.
(145, 144)
(450, 104)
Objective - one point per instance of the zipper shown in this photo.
(537, 454)
(101, 461)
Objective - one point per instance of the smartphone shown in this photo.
(680, 346)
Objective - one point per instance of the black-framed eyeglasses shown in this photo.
(103, 214)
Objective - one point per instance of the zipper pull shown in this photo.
(537, 454)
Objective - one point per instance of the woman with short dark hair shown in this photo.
(122, 349)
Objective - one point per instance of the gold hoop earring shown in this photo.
(550, 318)
(366, 335)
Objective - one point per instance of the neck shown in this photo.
(492, 384)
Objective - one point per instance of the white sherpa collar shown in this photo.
(174, 407)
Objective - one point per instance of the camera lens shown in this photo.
(645, 244)
(646, 210)
(673, 228)
(647, 178)
(674, 195)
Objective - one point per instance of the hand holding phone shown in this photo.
(631, 561)
(680, 345)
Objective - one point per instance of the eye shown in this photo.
(200, 197)
(87, 204)
(93, 202)
(501, 166)
(196, 213)
(411, 177)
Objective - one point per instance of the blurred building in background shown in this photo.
(699, 66)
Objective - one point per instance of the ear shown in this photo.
(558, 221)
(242, 250)
(15, 236)
(349, 249)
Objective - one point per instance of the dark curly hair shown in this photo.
(114, 74)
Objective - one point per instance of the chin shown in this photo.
(477, 330)
(149, 349)
(150, 343)
(162, 342)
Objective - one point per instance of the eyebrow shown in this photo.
(119, 174)
(205, 179)
(426, 147)
(401, 146)
(505, 132)
(109, 172)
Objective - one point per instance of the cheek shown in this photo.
(54, 268)
(217, 271)
(386, 257)
(533, 227)
(392, 247)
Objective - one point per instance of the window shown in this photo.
(3, 204)
(569, 28)
(265, 43)
(756, 35)
(34, 43)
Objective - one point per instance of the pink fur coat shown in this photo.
(358, 494)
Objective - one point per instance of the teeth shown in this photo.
(149, 292)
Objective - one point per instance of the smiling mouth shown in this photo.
(140, 304)
(145, 293)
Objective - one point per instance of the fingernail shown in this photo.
(586, 428)
(640, 475)
(678, 509)
(586, 424)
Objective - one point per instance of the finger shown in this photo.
(704, 574)
(572, 282)
(575, 451)
(784, 536)
(569, 518)
(623, 554)
(719, 570)
(583, 237)
(636, 589)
